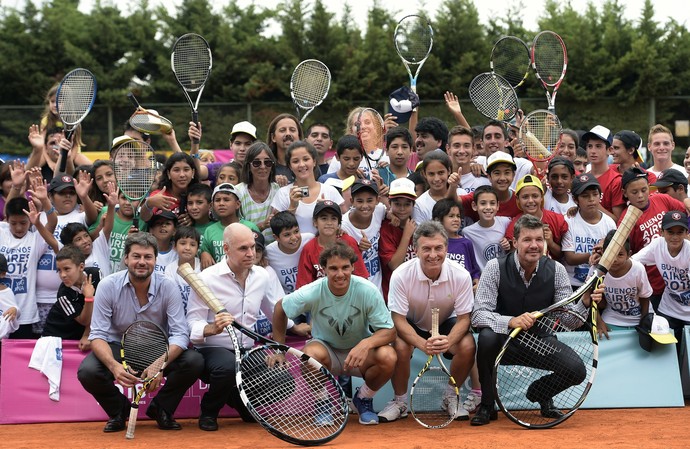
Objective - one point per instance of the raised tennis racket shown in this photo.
(309, 86)
(434, 396)
(413, 39)
(540, 136)
(191, 62)
(510, 58)
(147, 121)
(371, 131)
(144, 353)
(550, 62)
(493, 96)
(543, 374)
(135, 167)
(75, 97)
(297, 400)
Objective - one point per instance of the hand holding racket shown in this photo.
(147, 121)
(144, 354)
(510, 58)
(550, 62)
(309, 86)
(75, 97)
(413, 40)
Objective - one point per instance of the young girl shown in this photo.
(301, 197)
(448, 213)
(230, 173)
(435, 169)
(560, 175)
(568, 145)
(178, 174)
(50, 120)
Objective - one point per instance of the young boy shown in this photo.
(122, 226)
(395, 246)
(327, 220)
(460, 149)
(587, 228)
(226, 207)
(349, 154)
(670, 255)
(661, 145)
(186, 245)
(597, 143)
(580, 161)
(70, 316)
(399, 148)
(283, 254)
(363, 223)
(673, 183)
(162, 226)
(199, 206)
(487, 235)
(8, 304)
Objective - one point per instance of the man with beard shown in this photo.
(283, 130)
(431, 134)
(138, 293)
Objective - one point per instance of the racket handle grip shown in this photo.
(63, 161)
(132, 424)
(135, 223)
(195, 119)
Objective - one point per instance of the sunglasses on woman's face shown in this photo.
(256, 163)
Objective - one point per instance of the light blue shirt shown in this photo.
(340, 321)
(116, 306)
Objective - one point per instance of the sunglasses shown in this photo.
(256, 163)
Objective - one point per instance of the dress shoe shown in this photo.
(548, 410)
(164, 419)
(208, 423)
(115, 424)
(485, 413)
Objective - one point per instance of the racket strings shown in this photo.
(191, 61)
(144, 346)
(370, 132)
(76, 96)
(310, 83)
(295, 398)
(413, 39)
(135, 168)
(510, 59)
(541, 134)
(549, 57)
(432, 400)
(493, 96)
(150, 123)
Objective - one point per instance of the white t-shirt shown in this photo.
(185, 289)
(285, 265)
(424, 206)
(552, 204)
(622, 296)
(675, 301)
(48, 281)
(469, 182)
(334, 165)
(485, 241)
(370, 257)
(164, 260)
(22, 262)
(581, 238)
(674, 166)
(7, 301)
(305, 211)
(100, 255)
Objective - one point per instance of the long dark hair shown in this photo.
(172, 160)
(252, 153)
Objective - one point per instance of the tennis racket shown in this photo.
(540, 136)
(371, 131)
(135, 170)
(75, 97)
(434, 396)
(144, 353)
(413, 39)
(493, 96)
(297, 400)
(191, 62)
(146, 121)
(549, 61)
(510, 58)
(309, 86)
(549, 363)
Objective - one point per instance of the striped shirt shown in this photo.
(257, 212)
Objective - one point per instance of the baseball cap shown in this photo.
(402, 187)
(653, 328)
(243, 127)
(60, 183)
(3, 264)
(500, 157)
(669, 177)
(119, 141)
(598, 132)
(674, 218)
(327, 205)
(403, 101)
(529, 180)
(362, 184)
(560, 160)
(226, 187)
(160, 215)
(632, 174)
(630, 139)
(259, 240)
(582, 182)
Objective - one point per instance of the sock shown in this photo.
(366, 392)
(477, 392)
(401, 398)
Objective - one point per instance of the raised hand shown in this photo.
(111, 195)
(32, 213)
(452, 102)
(83, 184)
(18, 174)
(35, 137)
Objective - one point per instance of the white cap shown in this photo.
(120, 140)
(499, 157)
(243, 127)
(402, 187)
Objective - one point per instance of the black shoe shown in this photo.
(548, 410)
(485, 413)
(164, 419)
(208, 423)
(115, 424)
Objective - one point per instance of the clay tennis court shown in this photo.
(611, 428)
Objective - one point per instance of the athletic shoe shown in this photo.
(323, 417)
(472, 402)
(393, 411)
(451, 405)
(365, 409)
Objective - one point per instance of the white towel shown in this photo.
(47, 358)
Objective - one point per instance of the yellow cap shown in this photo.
(529, 180)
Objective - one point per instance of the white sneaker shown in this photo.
(472, 402)
(451, 405)
(393, 411)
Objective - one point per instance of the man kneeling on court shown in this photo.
(343, 309)
(430, 281)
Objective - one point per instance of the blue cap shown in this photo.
(403, 101)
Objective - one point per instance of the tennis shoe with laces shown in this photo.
(365, 409)
(452, 406)
(393, 411)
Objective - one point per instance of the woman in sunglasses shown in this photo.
(258, 187)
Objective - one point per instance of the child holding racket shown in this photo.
(178, 174)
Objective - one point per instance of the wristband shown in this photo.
(195, 156)
(88, 299)
(50, 211)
